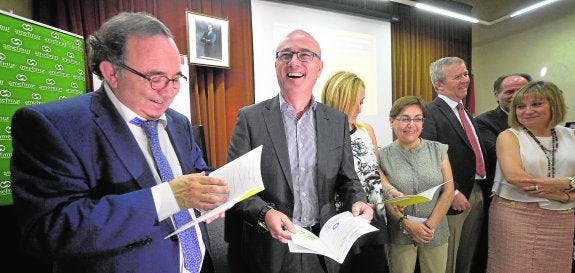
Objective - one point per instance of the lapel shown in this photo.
(453, 120)
(181, 143)
(274, 124)
(501, 119)
(121, 140)
(324, 134)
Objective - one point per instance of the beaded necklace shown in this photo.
(549, 153)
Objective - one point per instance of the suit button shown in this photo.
(174, 238)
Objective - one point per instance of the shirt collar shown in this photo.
(285, 106)
(450, 102)
(504, 110)
(126, 113)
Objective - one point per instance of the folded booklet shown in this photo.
(244, 178)
(335, 238)
(407, 200)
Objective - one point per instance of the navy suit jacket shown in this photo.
(262, 124)
(442, 125)
(81, 187)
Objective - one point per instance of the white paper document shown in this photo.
(406, 200)
(335, 238)
(414, 219)
(244, 178)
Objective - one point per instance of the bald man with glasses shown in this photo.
(306, 159)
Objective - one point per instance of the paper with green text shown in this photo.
(244, 178)
(335, 238)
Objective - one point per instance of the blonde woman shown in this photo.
(345, 91)
(531, 217)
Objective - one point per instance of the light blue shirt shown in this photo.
(302, 147)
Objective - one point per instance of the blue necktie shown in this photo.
(188, 238)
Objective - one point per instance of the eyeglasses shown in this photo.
(406, 120)
(157, 82)
(304, 56)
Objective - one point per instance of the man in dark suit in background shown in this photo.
(493, 122)
(306, 159)
(87, 192)
(445, 124)
(489, 125)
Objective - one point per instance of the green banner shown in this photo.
(38, 64)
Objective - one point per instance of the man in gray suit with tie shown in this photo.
(306, 160)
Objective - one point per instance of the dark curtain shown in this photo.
(418, 39)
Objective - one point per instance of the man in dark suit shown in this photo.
(306, 160)
(489, 125)
(493, 122)
(85, 185)
(443, 123)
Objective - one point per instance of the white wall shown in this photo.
(551, 45)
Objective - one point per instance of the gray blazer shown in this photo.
(262, 124)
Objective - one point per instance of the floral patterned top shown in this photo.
(366, 165)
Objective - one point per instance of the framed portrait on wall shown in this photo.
(208, 40)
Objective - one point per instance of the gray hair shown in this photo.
(436, 69)
(108, 43)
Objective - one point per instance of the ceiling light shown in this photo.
(448, 13)
(469, 18)
(532, 7)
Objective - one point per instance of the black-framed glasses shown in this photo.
(157, 82)
(406, 120)
(303, 56)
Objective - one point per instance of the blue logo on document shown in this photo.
(335, 226)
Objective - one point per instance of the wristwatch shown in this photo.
(571, 183)
(262, 216)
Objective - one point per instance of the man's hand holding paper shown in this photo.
(243, 177)
(199, 191)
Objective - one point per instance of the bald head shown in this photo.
(508, 87)
(513, 82)
(296, 78)
(299, 36)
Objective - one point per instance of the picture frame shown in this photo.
(208, 40)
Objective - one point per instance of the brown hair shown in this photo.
(539, 90)
(403, 102)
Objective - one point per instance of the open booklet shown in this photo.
(244, 178)
(407, 200)
(335, 238)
